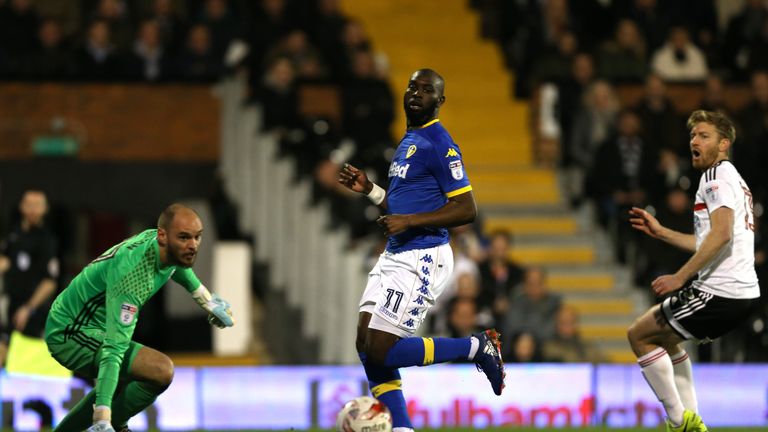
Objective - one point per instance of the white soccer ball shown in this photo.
(364, 414)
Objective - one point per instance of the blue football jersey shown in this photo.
(426, 170)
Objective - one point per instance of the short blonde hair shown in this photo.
(723, 125)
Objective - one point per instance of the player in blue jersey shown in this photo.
(428, 192)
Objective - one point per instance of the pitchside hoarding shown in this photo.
(448, 395)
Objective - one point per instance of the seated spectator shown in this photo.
(277, 95)
(19, 21)
(567, 345)
(593, 124)
(304, 57)
(623, 59)
(96, 59)
(169, 20)
(353, 39)
(115, 14)
(499, 276)
(522, 347)
(534, 308)
(624, 172)
(714, 94)
(463, 282)
(327, 25)
(655, 257)
(197, 61)
(751, 155)
(462, 317)
(148, 60)
(665, 128)
(743, 30)
(224, 26)
(368, 110)
(553, 64)
(51, 60)
(570, 98)
(679, 59)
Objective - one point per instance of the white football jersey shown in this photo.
(731, 273)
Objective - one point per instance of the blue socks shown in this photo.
(385, 382)
(416, 351)
(386, 386)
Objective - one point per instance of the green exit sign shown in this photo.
(55, 146)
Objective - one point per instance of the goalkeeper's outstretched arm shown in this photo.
(219, 312)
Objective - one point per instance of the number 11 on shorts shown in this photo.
(390, 293)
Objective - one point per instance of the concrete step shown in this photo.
(555, 255)
(619, 355)
(613, 307)
(613, 332)
(570, 282)
(532, 225)
(517, 196)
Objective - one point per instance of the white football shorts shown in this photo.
(402, 287)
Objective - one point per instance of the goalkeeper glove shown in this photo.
(219, 312)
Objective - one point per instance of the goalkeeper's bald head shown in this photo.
(167, 216)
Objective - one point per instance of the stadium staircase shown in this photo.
(493, 131)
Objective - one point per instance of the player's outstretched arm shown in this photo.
(645, 222)
(219, 310)
(357, 180)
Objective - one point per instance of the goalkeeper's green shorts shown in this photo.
(80, 351)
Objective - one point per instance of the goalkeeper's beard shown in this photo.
(178, 258)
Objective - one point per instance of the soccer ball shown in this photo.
(364, 414)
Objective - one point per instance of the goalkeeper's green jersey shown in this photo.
(108, 295)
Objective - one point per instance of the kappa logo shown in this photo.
(411, 151)
(452, 153)
(397, 170)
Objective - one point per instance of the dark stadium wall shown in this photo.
(135, 190)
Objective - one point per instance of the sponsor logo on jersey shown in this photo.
(127, 313)
(411, 151)
(397, 170)
(456, 171)
(452, 152)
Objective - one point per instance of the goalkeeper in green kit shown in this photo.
(91, 322)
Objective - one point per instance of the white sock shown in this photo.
(402, 429)
(657, 370)
(472, 350)
(681, 365)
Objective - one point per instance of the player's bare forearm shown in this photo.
(719, 235)
(459, 210)
(686, 242)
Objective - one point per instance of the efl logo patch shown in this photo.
(452, 152)
(127, 313)
(456, 171)
(411, 151)
(711, 192)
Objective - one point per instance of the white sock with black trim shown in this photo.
(683, 370)
(658, 372)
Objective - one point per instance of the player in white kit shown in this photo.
(723, 257)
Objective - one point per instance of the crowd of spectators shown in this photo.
(283, 47)
(614, 155)
(617, 153)
(488, 289)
